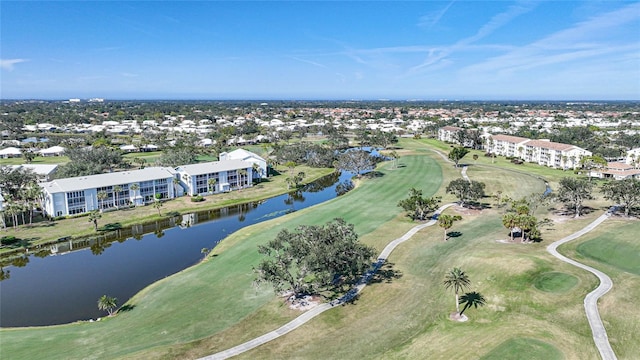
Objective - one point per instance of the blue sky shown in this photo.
(523, 50)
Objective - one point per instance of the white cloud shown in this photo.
(309, 62)
(431, 19)
(7, 64)
(568, 45)
(437, 55)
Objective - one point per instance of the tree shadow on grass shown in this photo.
(372, 174)
(454, 234)
(386, 273)
(126, 308)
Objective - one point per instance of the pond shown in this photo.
(61, 283)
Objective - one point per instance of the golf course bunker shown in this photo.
(555, 282)
(515, 348)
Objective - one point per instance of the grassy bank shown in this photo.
(49, 231)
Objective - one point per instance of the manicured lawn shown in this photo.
(555, 282)
(519, 348)
(613, 249)
(624, 255)
(37, 160)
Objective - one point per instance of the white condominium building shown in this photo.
(542, 152)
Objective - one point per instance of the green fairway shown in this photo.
(617, 253)
(555, 282)
(520, 348)
(213, 296)
(613, 248)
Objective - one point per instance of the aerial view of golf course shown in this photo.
(470, 288)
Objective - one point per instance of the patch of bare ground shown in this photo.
(466, 210)
(457, 317)
(303, 303)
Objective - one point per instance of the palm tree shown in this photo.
(470, 299)
(446, 222)
(107, 303)
(116, 191)
(211, 183)
(257, 170)
(93, 217)
(242, 173)
(291, 165)
(176, 182)
(102, 195)
(510, 221)
(457, 280)
(134, 187)
(158, 205)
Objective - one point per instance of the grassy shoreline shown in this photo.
(48, 232)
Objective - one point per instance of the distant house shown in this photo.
(245, 155)
(617, 171)
(52, 151)
(44, 172)
(129, 148)
(78, 195)
(10, 152)
(226, 174)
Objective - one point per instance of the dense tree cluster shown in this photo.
(90, 161)
(356, 161)
(21, 192)
(313, 155)
(625, 192)
(314, 259)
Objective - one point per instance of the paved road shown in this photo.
(591, 300)
(302, 319)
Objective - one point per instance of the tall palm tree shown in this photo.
(102, 195)
(510, 221)
(242, 173)
(107, 303)
(134, 187)
(211, 183)
(446, 222)
(470, 299)
(116, 191)
(257, 170)
(457, 280)
(93, 217)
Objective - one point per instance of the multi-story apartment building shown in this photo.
(82, 194)
(216, 176)
(542, 152)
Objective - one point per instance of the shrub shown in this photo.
(8, 240)
(197, 198)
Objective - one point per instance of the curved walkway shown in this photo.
(302, 319)
(591, 300)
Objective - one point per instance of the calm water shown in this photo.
(65, 287)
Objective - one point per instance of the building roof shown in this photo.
(52, 150)
(550, 145)
(40, 169)
(451, 128)
(243, 155)
(10, 151)
(619, 166)
(214, 167)
(509, 138)
(109, 179)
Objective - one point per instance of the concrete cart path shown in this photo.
(591, 300)
(310, 314)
